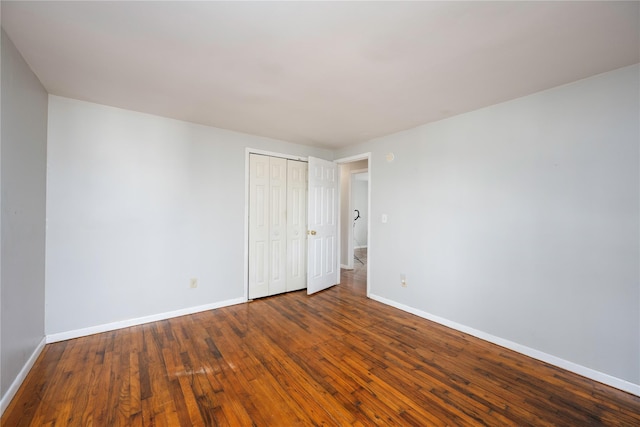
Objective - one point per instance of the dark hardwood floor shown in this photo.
(335, 358)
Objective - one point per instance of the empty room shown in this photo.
(320, 213)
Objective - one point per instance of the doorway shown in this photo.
(360, 213)
(355, 220)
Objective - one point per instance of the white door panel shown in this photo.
(259, 260)
(278, 225)
(296, 225)
(322, 214)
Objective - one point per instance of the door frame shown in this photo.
(249, 151)
(351, 159)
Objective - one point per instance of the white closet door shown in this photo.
(259, 197)
(296, 225)
(278, 225)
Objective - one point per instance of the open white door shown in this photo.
(322, 214)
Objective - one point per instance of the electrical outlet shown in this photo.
(403, 280)
(193, 283)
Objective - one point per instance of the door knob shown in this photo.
(312, 232)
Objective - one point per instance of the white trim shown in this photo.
(350, 159)
(528, 351)
(353, 171)
(15, 385)
(77, 333)
(354, 158)
(345, 267)
(339, 225)
(246, 223)
(275, 154)
(360, 247)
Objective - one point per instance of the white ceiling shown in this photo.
(328, 74)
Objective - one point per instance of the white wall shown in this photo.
(138, 205)
(521, 220)
(23, 178)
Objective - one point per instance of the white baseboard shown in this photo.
(360, 247)
(62, 336)
(15, 385)
(531, 352)
(345, 267)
